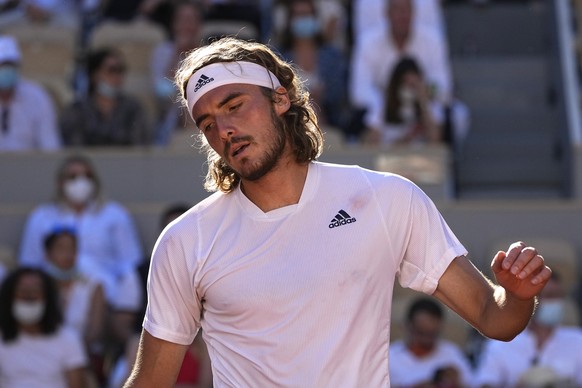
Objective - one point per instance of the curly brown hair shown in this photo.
(299, 122)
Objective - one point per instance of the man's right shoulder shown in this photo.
(208, 208)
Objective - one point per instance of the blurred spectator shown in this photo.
(109, 249)
(423, 356)
(375, 57)
(322, 67)
(185, 34)
(108, 116)
(122, 11)
(248, 13)
(65, 13)
(545, 354)
(332, 17)
(368, 16)
(196, 369)
(81, 298)
(36, 350)
(409, 115)
(158, 11)
(27, 114)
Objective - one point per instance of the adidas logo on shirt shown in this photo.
(341, 218)
(203, 80)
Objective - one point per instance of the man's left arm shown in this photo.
(502, 310)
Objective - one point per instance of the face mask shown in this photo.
(407, 94)
(165, 88)
(28, 313)
(550, 312)
(305, 26)
(79, 190)
(59, 273)
(107, 90)
(8, 77)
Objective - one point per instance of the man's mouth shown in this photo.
(238, 149)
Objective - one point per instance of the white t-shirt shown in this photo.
(301, 295)
(406, 369)
(40, 361)
(31, 120)
(503, 363)
(78, 304)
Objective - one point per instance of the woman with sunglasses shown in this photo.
(107, 116)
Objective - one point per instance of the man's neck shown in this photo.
(279, 188)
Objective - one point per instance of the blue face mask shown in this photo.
(550, 312)
(305, 26)
(107, 90)
(59, 273)
(165, 88)
(8, 77)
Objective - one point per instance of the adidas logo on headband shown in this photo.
(203, 80)
(224, 73)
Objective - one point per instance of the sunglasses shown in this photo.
(115, 69)
(72, 176)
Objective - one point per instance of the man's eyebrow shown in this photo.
(222, 103)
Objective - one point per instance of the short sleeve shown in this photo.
(174, 309)
(431, 245)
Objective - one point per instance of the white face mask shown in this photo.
(79, 190)
(550, 312)
(28, 313)
(407, 94)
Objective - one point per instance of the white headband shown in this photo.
(225, 73)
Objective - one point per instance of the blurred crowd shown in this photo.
(379, 74)
(378, 71)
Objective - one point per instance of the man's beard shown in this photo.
(271, 157)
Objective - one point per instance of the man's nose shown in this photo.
(225, 128)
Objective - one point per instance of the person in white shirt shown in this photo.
(289, 267)
(36, 350)
(417, 359)
(109, 248)
(368, 16)
(28, 118)
(376, 56)
(81, 298)
(546, 349)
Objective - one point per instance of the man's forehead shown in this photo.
(217, 96)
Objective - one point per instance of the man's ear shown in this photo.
(282, 102)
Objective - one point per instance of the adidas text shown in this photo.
(337, 223)
(341, 218)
